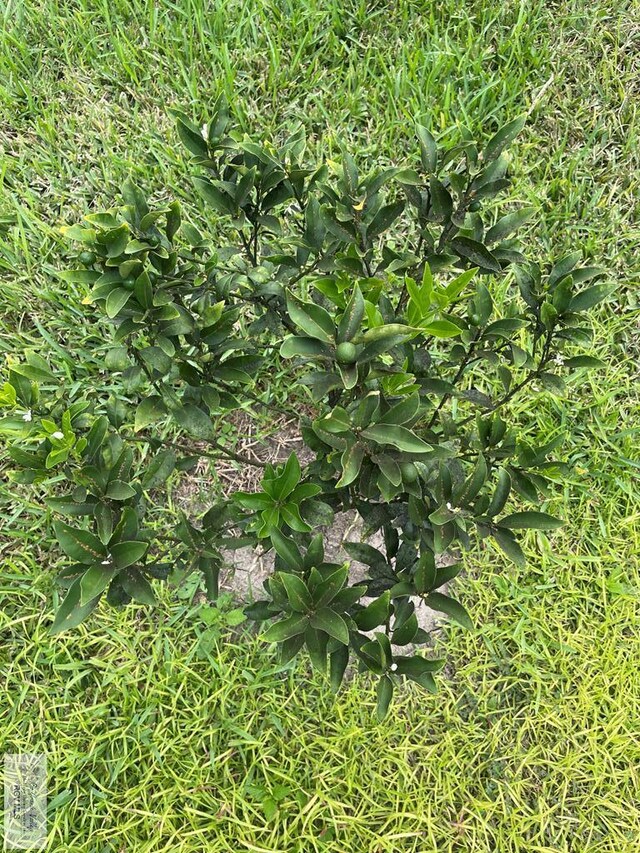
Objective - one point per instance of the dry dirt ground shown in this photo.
(247, 568)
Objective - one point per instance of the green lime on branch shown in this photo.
(346, 353)
(409, 472)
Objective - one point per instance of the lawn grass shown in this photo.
(163, 736)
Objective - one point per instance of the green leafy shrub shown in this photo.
(406, 317)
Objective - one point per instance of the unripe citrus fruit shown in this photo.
(346, 353)
(409, 472)
(87, 258)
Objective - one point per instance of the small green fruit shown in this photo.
(87, 258)
(474, 206)
(409, 472)
(346, 353)
(129, 283)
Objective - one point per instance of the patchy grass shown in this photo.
(162, 736)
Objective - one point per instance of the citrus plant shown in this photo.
(406, 317)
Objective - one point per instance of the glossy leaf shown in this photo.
(384, 694)
(448, 605)
(286, 628)
(327, 620)
(71, 613)
(530, 520)
(475, 252)
(396, 436)
(80, 545)
(503, 138)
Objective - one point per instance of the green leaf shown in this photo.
(441, 201)
(306, 347)
(80, 545)
(80, 276)
(384, 344)
(215, 197)
(405, 631)
(374, 614)
(71, 613)
(316, 643)
(287, 549)
(288, 480)
(587, 361)
(338, 661)
(352, 318)
(408, 176)
(365, 553)
(390, 330)
(590, 297)
(94, 582)
(286, 628)
(315, 229)
(116, 241)
(150, 410)
(397, 436)
(311, 318)
(448, 605)
(194, 421)
(337, 421)
(414, 667)
(508, 224)
(104, 522)
(472, 485)
(138, 587)
(425, 572)
(389, 468)
(291, 516)
(66, 505)
(384, 218)
(563, 267)
(327, 620)
(428, 149)
(37, 373)
(501, 493)
(125, 554)
(503, 138)
(455, 287)
(210, 569)
(327, 589)
(117, 490)
(173, 223)
(441, 329)
(116, 301)
(403, 411)
(159, 469)
(348, 374)
(530, 520)
(133, 196)
(384, 694)
(351, 461)
(475, 252)
(297, 592)
(507, 542)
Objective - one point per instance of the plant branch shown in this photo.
(461, 369)
(223, 452)
(534, 374)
